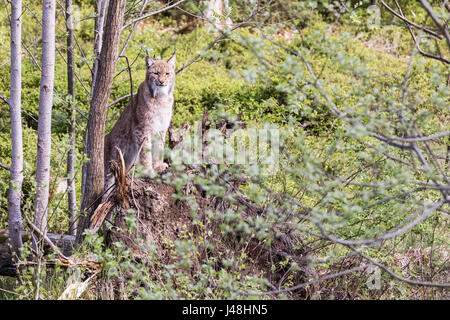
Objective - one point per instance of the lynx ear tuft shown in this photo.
(172, 59)
(148, 60)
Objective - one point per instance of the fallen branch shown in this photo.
(65, 261)
(61, 245)
(121, 186)
(45, 238)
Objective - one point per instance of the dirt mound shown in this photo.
(161, 221)
(144, 214)
(159, 218)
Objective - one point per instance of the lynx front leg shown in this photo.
(145, 157)
(158, 152)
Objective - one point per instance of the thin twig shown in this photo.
(425, 54)
(152, 14)
(301, 285)
(436, 20)
(120, 99)
(132, 30)
(223, 34)
(409, 22)
(54, 89)
(4, 99)
(46, 239)
(5, 167)
(10, 292)
(131, 78)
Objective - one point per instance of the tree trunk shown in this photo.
(93, 171)
(71, 113)
(45, 116)
(100, 10)
(16, 170)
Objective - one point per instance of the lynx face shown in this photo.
(160, 76)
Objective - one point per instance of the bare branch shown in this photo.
(119, 99)
(252, 14)
(301, 285)
(54, 89)
(381, 266)
(45, 238)
(421, 139)
(4, 167)
(222, 35)
(436, 20)
(388, 235)
(132, 30)
(153, 13)
(129, 72)
(409, 22)
(416, 41)
(396, 276)
(7, 11)
(4, 99)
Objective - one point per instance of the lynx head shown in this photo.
(160, 75)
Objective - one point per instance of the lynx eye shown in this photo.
(167, 73)
(157, 73)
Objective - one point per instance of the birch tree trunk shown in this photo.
(93, 170)
(45, 116)
(71, 113)
(16, 170)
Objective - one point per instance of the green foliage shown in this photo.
(328, 85)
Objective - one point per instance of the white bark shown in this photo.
(16, 170)
(71, 90)
(45, 115)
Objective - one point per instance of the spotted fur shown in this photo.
(141, 129)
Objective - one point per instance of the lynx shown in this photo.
(141, 129)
